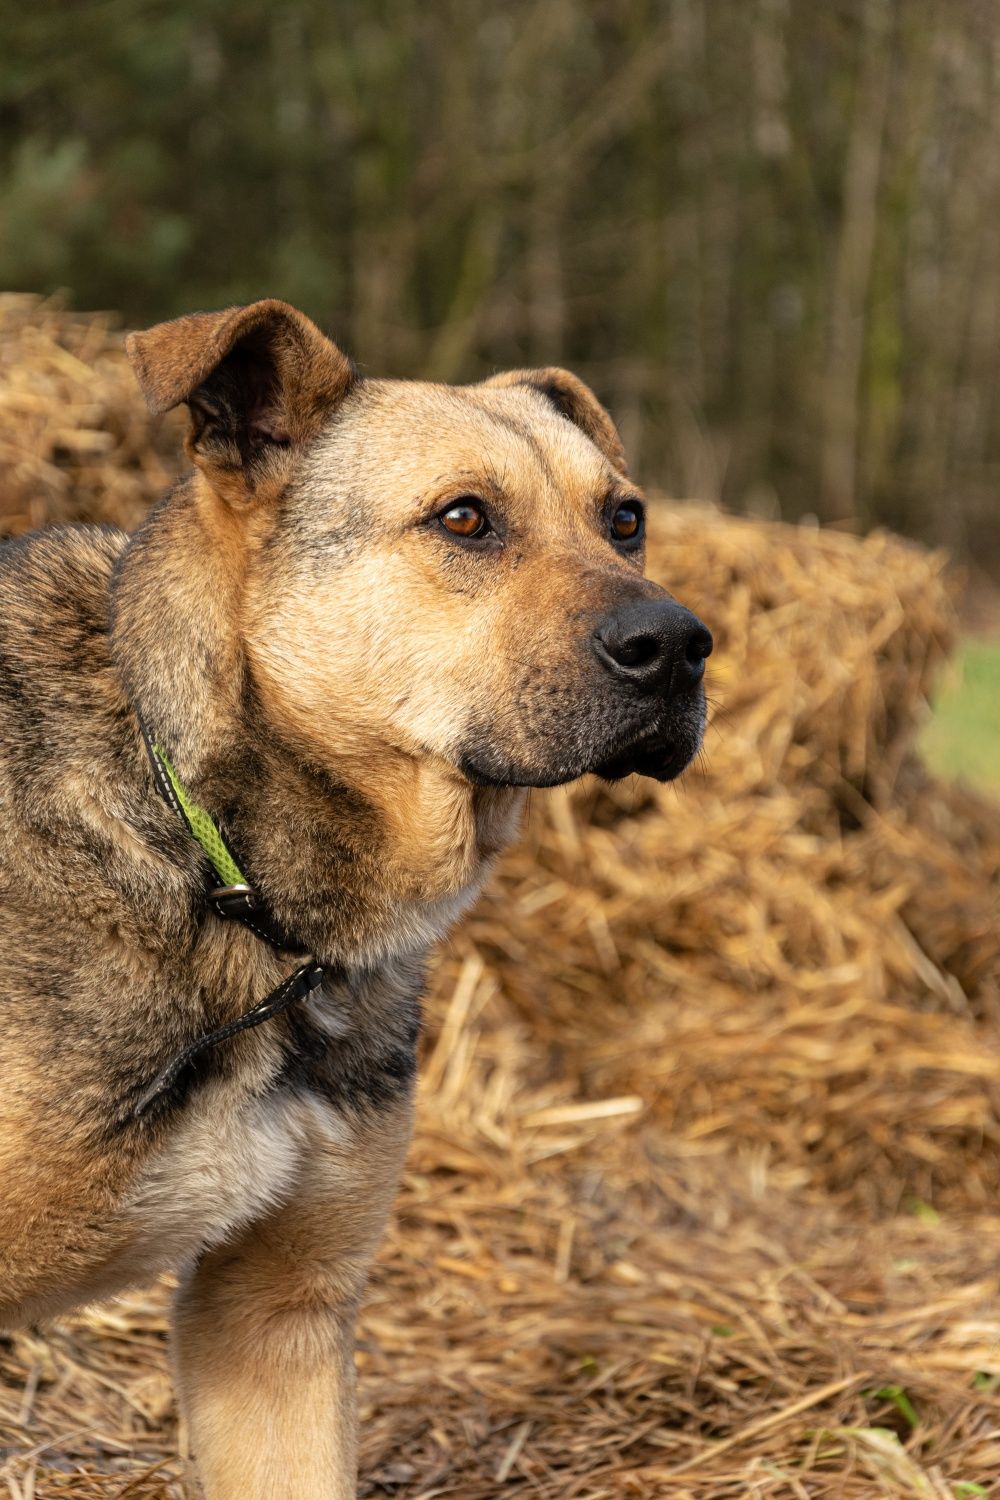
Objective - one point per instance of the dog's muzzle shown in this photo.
(633, 704)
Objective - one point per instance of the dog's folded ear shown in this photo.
(575, 401)
(258, 380)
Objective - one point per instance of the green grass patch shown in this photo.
(963, 737)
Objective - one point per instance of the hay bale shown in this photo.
(76, 441)
(827, 646)
(706, 1159)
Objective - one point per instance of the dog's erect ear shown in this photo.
(259, 380)
(575, 401)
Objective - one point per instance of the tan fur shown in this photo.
(264, 1326)
(359, 699)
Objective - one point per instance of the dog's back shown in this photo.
(54, 661)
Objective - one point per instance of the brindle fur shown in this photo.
(352, 695)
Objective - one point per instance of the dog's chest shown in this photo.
(227, 1163)
(224, 1166)
(241, 1140)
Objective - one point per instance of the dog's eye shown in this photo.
(465, 519)
(626, 523)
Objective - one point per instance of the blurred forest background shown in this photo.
(767, 231)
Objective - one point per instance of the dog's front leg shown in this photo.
(264, 1328)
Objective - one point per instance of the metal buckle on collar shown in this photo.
(241, 903)
(233, 901)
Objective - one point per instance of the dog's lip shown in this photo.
(654, 751)
(479, 777)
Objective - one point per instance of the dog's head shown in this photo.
(453, 572)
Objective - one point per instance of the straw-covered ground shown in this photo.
(703, 1198)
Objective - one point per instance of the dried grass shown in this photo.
(76, 442)
(702, 1199)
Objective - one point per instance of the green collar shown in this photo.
(230, 894)
(200, 822)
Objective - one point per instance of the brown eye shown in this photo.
(626, 523)
(465, 519)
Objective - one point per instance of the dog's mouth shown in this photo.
(660, 752)
(661, 759)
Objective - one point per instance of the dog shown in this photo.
(255, 760)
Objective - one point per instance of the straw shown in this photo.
(702, 1200)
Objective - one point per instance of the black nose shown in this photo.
(657, 645)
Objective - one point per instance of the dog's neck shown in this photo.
(353, 870)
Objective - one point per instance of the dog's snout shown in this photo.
(658, 645)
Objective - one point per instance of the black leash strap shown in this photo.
(296, 987)
(233, 903)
